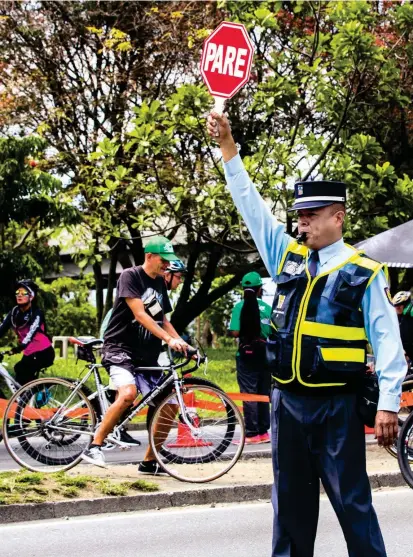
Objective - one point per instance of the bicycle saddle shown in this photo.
(86, 342)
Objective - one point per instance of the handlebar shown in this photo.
(201, 358)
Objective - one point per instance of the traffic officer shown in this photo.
(330, 300)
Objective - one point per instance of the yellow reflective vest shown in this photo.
(318, 337)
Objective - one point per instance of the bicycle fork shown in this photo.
(196, 432)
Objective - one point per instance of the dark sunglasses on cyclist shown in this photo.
(22, 293)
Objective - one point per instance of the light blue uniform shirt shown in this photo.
(380, 318)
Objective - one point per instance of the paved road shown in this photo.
(233, 531)
(116, 456)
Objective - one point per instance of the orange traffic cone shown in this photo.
(185, 438)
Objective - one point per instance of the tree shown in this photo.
(79, 68)
(31, 205)
(68, 310)
(121, 103)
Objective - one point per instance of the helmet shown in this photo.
(250, 280)
(29, 284)
(176, 266)
(401, 298)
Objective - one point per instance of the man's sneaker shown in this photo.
(265, 438)
(151, 467)
(126, 438)
(94, 456)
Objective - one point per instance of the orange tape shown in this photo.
(38, 413)
(407, 399)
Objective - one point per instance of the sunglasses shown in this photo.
(22, 293)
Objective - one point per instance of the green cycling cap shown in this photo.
(161, 246)
(251, 280)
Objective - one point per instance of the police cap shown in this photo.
(316, 194)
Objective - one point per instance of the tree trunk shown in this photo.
(97, 271)
(202, 301)
(206, 337)
(111, 280)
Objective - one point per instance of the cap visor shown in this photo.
(169, 256)
(310, 205)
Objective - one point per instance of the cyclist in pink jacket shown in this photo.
(28, 322)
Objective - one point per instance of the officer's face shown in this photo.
(323, 226)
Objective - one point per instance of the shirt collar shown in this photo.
(328, 252)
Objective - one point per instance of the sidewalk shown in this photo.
(249, 480)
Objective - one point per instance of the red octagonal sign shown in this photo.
(226, 59)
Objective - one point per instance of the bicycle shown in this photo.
(196, 431)
(405, 450)
(405, 410)
(6, 378)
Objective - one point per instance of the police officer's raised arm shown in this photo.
(267, 233)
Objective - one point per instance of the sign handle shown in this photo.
(219, 108)
(219, 105)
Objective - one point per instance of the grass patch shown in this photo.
(143, 485)
(26, 487)
(76, 481)
(111, 488)
(32, 478)
(70, 492)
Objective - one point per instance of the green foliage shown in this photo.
(329, 94)
(67, 307)
(31, 203)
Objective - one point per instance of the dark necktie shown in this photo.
(312, 263)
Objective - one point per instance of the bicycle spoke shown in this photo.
(48, 425)
(203, 450)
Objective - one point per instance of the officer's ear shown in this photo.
(338, 211)
(340, 215)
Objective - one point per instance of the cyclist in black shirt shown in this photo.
(133, 339)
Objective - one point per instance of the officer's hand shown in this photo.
(178, 344)
(218, 128)
(386, 428)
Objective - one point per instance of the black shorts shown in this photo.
(29, 366)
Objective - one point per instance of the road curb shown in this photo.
(162, 500)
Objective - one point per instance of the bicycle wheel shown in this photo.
(2, 397)
(405, 450)
(210, 445)
(48, 424)
(167, 454)
(405, 410)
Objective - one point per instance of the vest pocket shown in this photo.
(285, 302)
(348, 290)
(274, 354)
(340, 362)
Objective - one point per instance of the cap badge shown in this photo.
(300, 190)
(168, 248)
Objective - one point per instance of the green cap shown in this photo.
(251, 279)
(161, 246)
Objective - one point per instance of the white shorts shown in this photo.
(145, 382)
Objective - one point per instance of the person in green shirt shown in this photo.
(250, 323)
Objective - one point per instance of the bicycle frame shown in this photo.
(171, 377)
(8, 379)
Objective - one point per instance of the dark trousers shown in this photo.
(317, 438)
(254, 377)
(29, 366)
